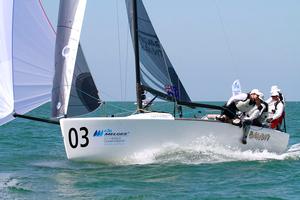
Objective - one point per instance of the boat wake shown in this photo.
(206, 152)
(9, 182)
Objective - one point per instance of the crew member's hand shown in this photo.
(269, 120)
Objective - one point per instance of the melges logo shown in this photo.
(109, 132)
(98, 133)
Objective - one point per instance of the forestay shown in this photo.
(157, 73)
(74, 91)
(26, 57)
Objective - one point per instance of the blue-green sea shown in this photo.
(33, 165)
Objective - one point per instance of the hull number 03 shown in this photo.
(75, 136)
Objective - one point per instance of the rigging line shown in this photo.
(119, 107)
(68, 85)
(167, 68)
(107, 94)
(80, 48)
(126, 62)
(124, 113)
(119, 49)
(87, 94)
(132, 111)
(226, 37)
(46, 69)
(165, 62)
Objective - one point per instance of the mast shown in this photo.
(137, 56)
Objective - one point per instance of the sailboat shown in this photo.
(113, 139)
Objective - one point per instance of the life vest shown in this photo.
(258, 114)
(245, 105)
(276, 123)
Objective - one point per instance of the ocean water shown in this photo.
(34, 166)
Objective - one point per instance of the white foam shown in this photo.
(7, 180)
(51, 164)
(205, 150)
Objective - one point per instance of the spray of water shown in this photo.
(10, 181)
(205, 150)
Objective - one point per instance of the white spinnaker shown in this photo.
(6, 84)
(70, 21)
(32, 52)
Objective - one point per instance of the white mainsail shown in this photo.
(74, 91)
(26, 57)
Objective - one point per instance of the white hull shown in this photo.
(114, 139)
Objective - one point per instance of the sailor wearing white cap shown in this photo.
(256, 116)
(256, 112)
(273, 90)
(243, 102)
(276, 110)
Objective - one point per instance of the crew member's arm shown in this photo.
(263, 108)
(239, 97)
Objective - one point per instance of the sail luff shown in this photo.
(70, 19)
(137, 56)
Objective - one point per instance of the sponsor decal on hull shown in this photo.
(112, 137)
(259, 136)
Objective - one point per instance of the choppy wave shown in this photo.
(205, 152)
(8, 181)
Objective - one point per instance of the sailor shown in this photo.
(243, 103)
(276, 110)
(259, 113)
(275, 88)
(256, 116)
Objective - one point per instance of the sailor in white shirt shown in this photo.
(276, 111)
(243, 102)
(256, 116)
(275, 88)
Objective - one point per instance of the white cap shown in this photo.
(274, 88)
(255, 91)
(274, 93)
(261, 96)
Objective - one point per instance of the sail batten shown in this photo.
(157, 72)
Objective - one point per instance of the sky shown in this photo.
(209, 42)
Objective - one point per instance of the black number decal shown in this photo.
(73, 130)
(85, 137)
